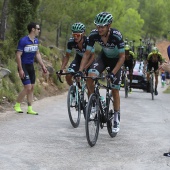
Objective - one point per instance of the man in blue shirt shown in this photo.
(26, 51)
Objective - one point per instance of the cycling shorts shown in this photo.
(129, 64)
(100, 65)
(75, 64)
(155, 66)
(29, 74)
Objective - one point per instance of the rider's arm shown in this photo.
(65, 61)
(90, 61)
(84, 60)
(119, 63)
(89, 50)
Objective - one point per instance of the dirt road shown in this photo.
(48, 141)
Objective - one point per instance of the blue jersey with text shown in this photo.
(28, 49)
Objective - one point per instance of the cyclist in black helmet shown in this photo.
(112, 55)
(78, 42)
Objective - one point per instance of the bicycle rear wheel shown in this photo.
(92, 120)
(73, 105)
(152, 88)
(110, 118)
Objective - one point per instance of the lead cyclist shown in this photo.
(112, 55)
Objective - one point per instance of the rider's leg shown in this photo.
(90, 83)
(69, 79)
(156, 82)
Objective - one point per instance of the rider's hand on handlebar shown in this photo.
(111, 77)
(78, 74)
(59, 72)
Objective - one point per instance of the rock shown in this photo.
(4, 72)
(45, 85)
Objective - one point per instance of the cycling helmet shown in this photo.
(78, 27)
(103, 18)
(127, 47)
(155, 50)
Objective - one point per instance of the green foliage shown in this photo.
(23, 12)
(6, 52)
(45, 50)
(7, 90)
(167, 90)
(13, 76)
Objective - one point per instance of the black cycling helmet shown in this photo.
(103, 18)
(78, 27)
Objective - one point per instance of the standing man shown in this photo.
(26, 51)
(112, 55)
(153, 60)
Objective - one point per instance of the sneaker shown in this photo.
(17, 108)
(30, 111)
(167, 154)
(156, 92)
(116, 127)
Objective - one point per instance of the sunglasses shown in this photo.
(101, 26)
(76, 35)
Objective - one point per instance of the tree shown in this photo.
(4, 16)
(23, 13)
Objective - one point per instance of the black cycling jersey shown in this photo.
(114, 45)
(72, 44)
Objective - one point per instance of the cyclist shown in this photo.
(130, 61)
(78, 42)
(153, 60)
(112, 55)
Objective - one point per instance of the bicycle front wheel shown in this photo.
(110, 117)
(92, 120)
(73, 105)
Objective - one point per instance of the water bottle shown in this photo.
(103, 102)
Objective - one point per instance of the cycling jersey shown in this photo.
(153, 61)
(129, 60)
(131, 56)
(114, 45)
(72, 44)
(154, 58)
(28, 49)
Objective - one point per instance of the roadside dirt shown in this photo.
(162, 46)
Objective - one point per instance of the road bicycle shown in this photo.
(125, 81)
(97, 113)
(151, 82)
(77, 98)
